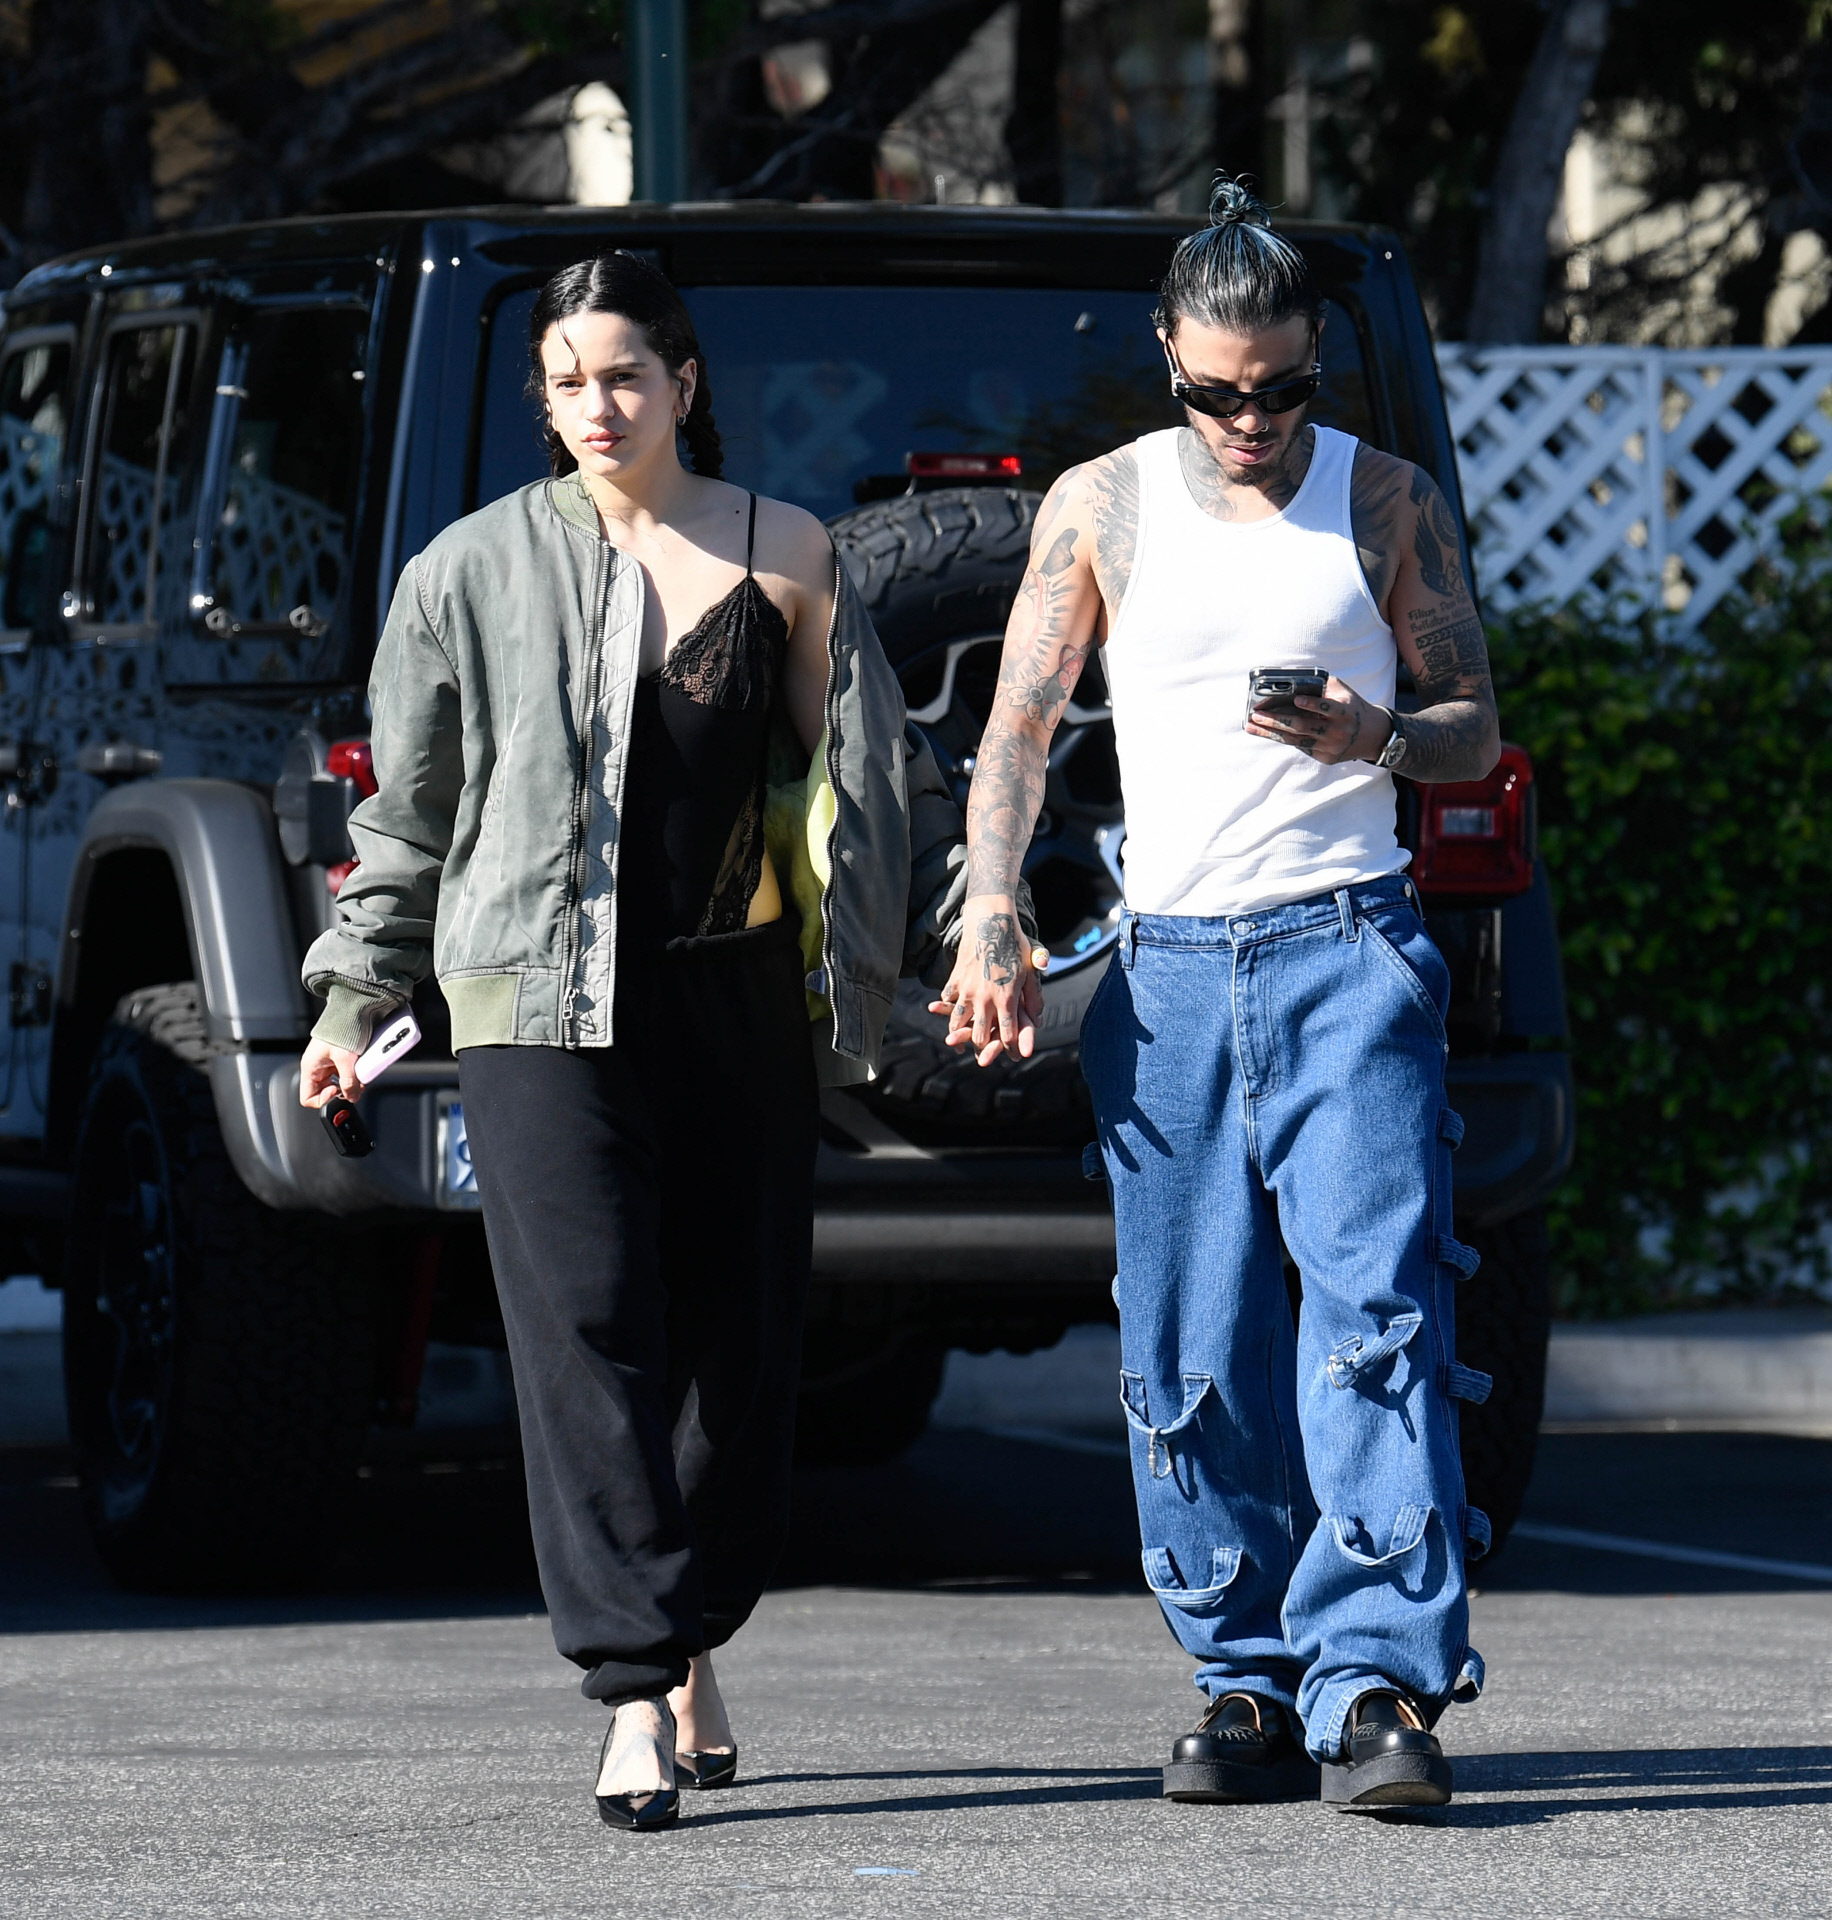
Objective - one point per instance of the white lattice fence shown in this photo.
(1592, 472)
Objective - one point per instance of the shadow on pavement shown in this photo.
(1655, 1780)
(444, 1537)
(1068, 1785)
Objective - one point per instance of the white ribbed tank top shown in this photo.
(1218, 821)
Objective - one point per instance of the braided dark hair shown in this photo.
(625, 284)
(1236, 273)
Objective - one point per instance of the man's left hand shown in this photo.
(1337, 726)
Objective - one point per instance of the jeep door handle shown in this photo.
(118, 760)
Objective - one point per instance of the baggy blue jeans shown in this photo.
(1301, 1502)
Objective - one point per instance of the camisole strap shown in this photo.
(750, 538)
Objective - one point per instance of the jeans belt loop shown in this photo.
(1346, 908)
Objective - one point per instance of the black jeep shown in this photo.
(216, 452)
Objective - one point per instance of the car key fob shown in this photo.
(345, 1126)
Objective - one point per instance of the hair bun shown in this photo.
(1232, 203)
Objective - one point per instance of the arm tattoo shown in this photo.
(1434, 537)
(1113, 491)
(1037, 672)
(1449, 738)
(1002, 806)
(1376, 492)
(998, 943)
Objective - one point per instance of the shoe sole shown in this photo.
(615, 1814)
(1229, 1783)
(721, 1771)
(1389, 1780)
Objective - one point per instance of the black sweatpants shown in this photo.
(649, 1207)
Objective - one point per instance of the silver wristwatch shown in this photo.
(1393, 754)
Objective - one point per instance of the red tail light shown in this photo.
(352, 760)
(963, 466)
(1476, 836)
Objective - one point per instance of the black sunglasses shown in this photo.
(1223, 403)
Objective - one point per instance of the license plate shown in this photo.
(457, 1177)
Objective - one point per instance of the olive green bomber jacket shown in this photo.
(500, 702)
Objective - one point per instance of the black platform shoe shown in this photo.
(706, 1770)
(1243, 1748)
(1391, 1759)
(639, 1812)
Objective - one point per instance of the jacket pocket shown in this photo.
(1167, 1583)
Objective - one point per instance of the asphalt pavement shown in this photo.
(954, 1701)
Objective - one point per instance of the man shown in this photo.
(1266, 1052)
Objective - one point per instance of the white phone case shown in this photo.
(401, 1035)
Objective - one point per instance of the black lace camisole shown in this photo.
(692, 841)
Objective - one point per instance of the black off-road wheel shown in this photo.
(1504, 1320)
(938, 572)
(218, 1356)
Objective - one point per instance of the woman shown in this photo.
(646, 806)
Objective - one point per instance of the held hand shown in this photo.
(325, 1072)
(1340, 726)
(993, 996)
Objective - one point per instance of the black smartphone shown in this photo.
(1276, 689)
(345, 1125)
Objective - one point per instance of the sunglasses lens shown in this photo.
(1222, 403)
(1216, 402)
(1284, 399)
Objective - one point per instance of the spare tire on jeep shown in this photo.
(938, 572)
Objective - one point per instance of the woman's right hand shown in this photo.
(326, 1071)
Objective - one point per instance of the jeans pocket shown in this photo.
(1420, 967)
(1361, 1543)
(1170, 1589)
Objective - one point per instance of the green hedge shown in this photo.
(1685, 794)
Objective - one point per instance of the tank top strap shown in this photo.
(750, 538)
(1328, 485)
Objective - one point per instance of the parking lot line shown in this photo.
(1660, 1550)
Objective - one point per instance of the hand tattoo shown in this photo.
(997, 941)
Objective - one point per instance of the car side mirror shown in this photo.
(28, 551)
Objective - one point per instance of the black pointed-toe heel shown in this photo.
(703, 1771)
(1390, 1760)
(638, 1812)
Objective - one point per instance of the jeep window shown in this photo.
(820, 392)
(132, 525)
(34, 424)
(286, 454)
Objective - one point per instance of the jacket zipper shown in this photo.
(575, 847)
(833, 748)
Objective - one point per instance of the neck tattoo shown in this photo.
(1219, 497)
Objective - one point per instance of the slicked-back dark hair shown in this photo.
(622, 283)
(1236, 273)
